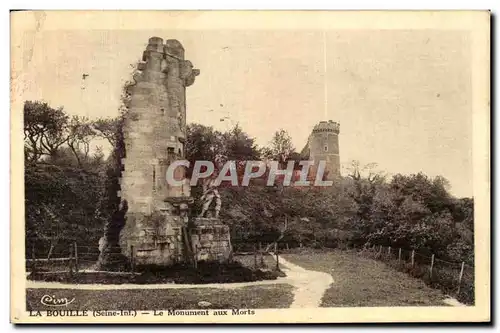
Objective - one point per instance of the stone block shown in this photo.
(212, 238)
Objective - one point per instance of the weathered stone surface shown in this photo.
(154, 133)
(211, 239)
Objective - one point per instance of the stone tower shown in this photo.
(154, 135)
(157, 227)
(323, 144)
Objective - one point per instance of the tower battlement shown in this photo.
(172, 47)
(327, 126)
(163, 60)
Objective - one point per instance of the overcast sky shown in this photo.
(403, 98)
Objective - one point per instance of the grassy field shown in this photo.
(255, 297)
(358, 281)
(361, 281)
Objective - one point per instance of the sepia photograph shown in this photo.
(250, 166)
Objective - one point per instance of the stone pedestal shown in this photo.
(210, 239)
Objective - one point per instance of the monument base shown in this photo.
(210, 239)
(153, 239)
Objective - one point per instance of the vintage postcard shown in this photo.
(250, 167)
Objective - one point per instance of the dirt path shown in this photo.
(452, 302)
(310, 285)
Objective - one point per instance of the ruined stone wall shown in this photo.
(154, 136)
(324, 145)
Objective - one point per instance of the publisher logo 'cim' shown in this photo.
(51, 300)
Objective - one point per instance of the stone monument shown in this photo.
(157, 226)
(210, 236)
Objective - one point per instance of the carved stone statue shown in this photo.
(183, 212)
(209, 193)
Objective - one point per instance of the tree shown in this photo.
(280, 148)
(80, 134)
(369, 172)
(108, 128)
(431, 192)
(203, 143)
(62, 180)
(239, 146)
(45, 130)
(363, 184)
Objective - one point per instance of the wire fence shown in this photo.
(258, 256)
(454, 278)
(72, 258)
(250, 247)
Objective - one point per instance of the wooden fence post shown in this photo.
(132, 259)
(399, 255)
(460, 278)
(389, 252)
(432, 265)
(195, 252)
(254, 257)
(33, 259)
(277, 258)
(412, 258)
(261, 255)
(76, 257)
(71, 259)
